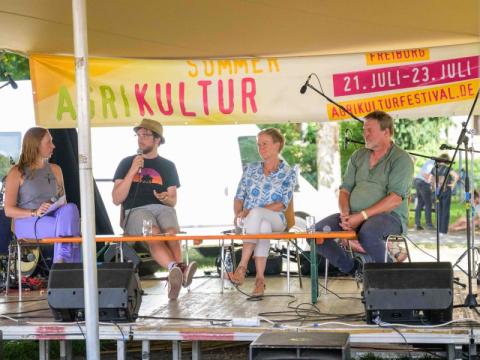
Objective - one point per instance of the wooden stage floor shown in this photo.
(204, 314)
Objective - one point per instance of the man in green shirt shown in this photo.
(373, 196)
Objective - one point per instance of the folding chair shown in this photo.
(290, 217)
(357, 251)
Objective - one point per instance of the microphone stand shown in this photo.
(332, 101)
(470, 300)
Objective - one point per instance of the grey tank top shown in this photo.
(37, 188)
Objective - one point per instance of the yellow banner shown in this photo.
(407, 83)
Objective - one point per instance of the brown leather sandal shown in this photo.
(239, 276)
(259, 288)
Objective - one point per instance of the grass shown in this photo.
(457, 210)
(202, 261)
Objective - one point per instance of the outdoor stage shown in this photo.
(204, 314)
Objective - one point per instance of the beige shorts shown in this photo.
(163, 216)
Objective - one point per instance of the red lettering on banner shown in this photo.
(158, 95)
(249, 94)
(221, 102)
(182, 101)
(229, 93)
(142, 103)
(204, 84)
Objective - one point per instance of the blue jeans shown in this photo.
(371, 235)
(444, 210)
(424, 199)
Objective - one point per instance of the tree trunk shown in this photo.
(328, 156)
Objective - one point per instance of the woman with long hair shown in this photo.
(31, 188)
(263, 194)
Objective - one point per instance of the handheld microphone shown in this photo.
(139, 152)
(12, 82)
(303, 89)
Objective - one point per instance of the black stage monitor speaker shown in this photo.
(415, 293)
(119, 292)
(300, 345)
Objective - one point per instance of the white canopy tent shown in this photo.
(212, 29)
(238, 28)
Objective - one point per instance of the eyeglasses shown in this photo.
(143, 135)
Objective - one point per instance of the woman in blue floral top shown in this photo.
(263, 194)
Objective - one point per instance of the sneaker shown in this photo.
(175, 279)
(419, 227)
(431, 227)
(188, 272)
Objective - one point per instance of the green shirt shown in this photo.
(393, 173)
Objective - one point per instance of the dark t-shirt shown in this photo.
(157, 174)
(442, 171)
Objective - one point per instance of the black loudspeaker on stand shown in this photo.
(415, 293)
(119, 292)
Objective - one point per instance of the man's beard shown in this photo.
(148, 149)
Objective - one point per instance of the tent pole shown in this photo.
(86, 179)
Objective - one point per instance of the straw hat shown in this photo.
(153, 126)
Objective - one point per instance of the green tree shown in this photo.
(15, 65)
(300, 147)
(4, 166)
(421, 135)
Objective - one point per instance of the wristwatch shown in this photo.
(33, 212)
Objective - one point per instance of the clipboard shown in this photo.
(62, 200)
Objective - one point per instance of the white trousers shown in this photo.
(263, 221)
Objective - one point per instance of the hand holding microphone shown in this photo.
(140, 157)
(137, 163)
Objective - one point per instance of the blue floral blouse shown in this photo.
(257, 189)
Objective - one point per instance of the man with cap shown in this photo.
(146, 186)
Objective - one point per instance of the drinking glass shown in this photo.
(310, 222)
(241, 226)
(147, 227)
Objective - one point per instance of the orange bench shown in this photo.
(319, 236)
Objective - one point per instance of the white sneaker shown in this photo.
(175, 279)
(188, 272)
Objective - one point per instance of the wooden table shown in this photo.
(318, 236)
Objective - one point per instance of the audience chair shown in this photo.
(356, 250)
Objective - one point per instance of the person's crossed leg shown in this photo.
(166, 253)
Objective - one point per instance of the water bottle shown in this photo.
(228, 268)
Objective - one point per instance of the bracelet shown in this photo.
(364, 214)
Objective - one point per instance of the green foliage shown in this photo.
(248, 149)
(457, 211)
(354, 130)
(15, 65)
(422, 135)
(4, 165)
(300, 148)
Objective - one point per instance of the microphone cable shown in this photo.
(133, 205)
